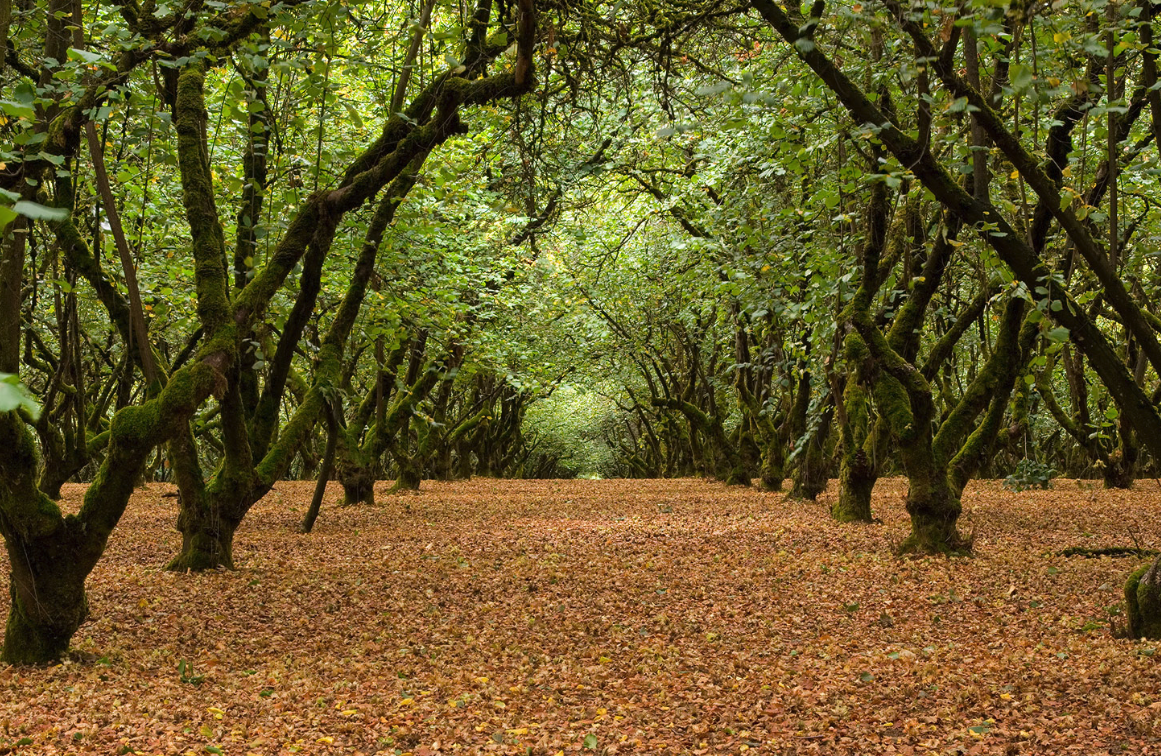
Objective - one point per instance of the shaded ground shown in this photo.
(646, 617)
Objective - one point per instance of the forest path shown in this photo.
(639, 616)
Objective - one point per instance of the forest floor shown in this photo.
(675, 617)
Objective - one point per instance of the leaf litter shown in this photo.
(606, 617)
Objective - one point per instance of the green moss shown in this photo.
(25, 512)
(198, 196)
(276, 461)
(856, 482)
(855, 349)
(204, 548)
(895, 406)
(1132, 609)
(934, 509)
(738, 476)
(1143, 602)
(29, 642)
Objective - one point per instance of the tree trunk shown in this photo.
(410, 476)
(934, 508)
(358, 486)
(462, 467)
(737, 474)
(857, 478)
(324, 474)
(812, 472)
(857, 473)
(1143, 601)
(48, 600)
(772, 468)
(1118, 472)
(207, 543)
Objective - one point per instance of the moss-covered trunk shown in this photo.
(773, 466)
(207, 543)
(462, 467)
(857, 476)
(857, 472)
(812, 472)
(723, 460)
(409, 478)
(934, 508)
(354, 471)
(1117, 475)
(48, 601)
(1143, 601)
(1121, 466)
(358, 486)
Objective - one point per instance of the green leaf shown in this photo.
(1058, 335)
(354, 113)
(83, 55)
(7, 215)
(17, 110)
(591, 742)
(40, 212)
(13, 395)
(1020, 76)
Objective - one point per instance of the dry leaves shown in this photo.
(605, 617)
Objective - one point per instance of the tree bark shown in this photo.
(812, 471)
(324, 473)
(1143, 601)
(48, 599)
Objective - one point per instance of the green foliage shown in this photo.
(1028, 474)
(14, 395)
(568, 427)
(185, 673)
